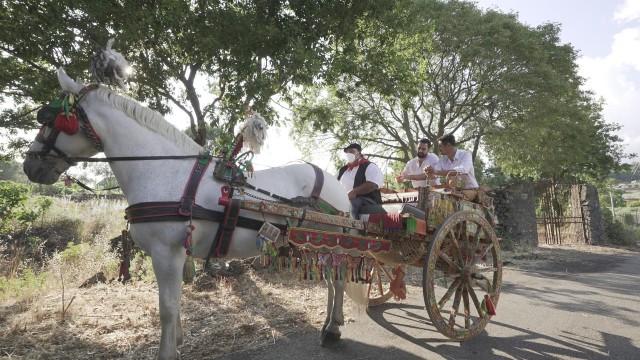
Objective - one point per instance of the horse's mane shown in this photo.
(149, 119)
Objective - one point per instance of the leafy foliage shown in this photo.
(14, 211)
(430, 68)
(619, 233)
(211, 59)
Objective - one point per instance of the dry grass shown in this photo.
(114, 321)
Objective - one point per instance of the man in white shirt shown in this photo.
(455, 164)
(361, 178)
(414, 169)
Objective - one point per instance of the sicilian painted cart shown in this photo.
(451, 239)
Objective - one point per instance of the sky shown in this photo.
(607, 35)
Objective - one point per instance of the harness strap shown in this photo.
(221, 243)
(312, 200)
(319, 182)
(189, 194)
(158, 211)
(268, 193)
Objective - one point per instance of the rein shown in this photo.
(72, 118)
(132, 158)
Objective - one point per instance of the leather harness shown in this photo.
(186, 209)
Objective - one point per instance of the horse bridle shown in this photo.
(49, 141)
(51, 151)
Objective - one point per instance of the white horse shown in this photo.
(127, 128)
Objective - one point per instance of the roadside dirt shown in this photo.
(220, 316)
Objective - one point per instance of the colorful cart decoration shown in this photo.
(451, 239)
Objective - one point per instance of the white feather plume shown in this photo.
(254, 132)
(110, 67)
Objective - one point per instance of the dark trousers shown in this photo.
(358, 203)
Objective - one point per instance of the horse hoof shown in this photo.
(329, 338)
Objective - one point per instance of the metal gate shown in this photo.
(562, 213)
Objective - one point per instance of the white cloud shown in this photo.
(628, 11)
(616, 78)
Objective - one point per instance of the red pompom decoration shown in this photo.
(68, 124)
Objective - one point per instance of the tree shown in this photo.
(449, 67)
(210, 59)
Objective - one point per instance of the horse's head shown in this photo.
(65, 133)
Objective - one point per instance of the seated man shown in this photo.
(361, 178)
(414, 169)
(455, 164)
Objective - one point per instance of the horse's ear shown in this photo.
(66, 83)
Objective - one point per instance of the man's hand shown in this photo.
(352, 195)
(429, 171)
(400, 178)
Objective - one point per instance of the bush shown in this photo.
(27, 283)
(72, 254)
(14, 212)
(629, 219)
(633, 203)
(619, 233)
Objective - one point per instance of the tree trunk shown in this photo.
(476, 146)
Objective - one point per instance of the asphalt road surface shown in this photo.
(587, 309)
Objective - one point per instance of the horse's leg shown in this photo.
(330, 296)
(331, 333)
(338, 314)
(179, 332)
(167, 265)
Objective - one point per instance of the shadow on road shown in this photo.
(300, 347)
(403, 320)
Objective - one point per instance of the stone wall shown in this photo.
(516, 211)
(594, 223)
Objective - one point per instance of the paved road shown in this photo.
(590, 313)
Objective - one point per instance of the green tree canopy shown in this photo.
(430, 68)
(242, 52)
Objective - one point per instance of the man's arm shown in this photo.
(416, 177)
(404, 176)
(467, 163)
(365, 188)
(465, 168)
(374, 180)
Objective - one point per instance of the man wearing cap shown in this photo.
(414, 169)
(361, 178)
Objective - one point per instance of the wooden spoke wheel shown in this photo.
(462, 275)
(381, 275)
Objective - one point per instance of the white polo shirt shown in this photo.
(416, 167)
(462, 163)
(372, 174)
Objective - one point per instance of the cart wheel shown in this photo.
(463, 263)
(379, 291)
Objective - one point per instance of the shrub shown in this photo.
(633, 203)
(27, 283)
(72, 254)
(619, 233)
(14, 210)
(629, 219)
